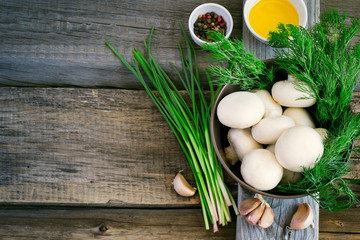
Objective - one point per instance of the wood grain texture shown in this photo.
(100, 223)
(61, 43)
(337, 236)
(346, 221)
(104, 223)
(47, 43)
(89, 146)
(283, 212)
(103, 147)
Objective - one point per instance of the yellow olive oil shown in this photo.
(266, 15)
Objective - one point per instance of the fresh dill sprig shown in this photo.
(243, 67)
(323, 58)
(324, 181)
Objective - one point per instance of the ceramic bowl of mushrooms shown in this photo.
(264, 138)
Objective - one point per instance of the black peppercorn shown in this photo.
(206, 22)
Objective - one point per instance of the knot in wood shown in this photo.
(103, 228)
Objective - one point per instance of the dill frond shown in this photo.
(323, 58)
(243, 68)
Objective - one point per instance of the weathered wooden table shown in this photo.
(84, 153)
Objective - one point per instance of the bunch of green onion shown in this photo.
(190, 125)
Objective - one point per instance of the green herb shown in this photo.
(323, 58)
(324, 182)
(243, 68)
(189, 124)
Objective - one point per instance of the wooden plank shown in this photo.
(100, 223)
(346, 221)
(103, 147)
(283, 212)
(337, 236)
(89, 147)
(105, 223)
(61, 43)
(283, 209)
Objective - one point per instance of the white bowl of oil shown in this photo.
(262, 16)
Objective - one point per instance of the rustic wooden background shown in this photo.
(88, 161)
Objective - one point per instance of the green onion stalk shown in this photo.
(190, 124)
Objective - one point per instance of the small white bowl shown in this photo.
(205, 8)
(298, 4)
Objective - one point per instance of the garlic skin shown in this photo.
(254, 217)
(303, 217)
(267, 218)
(230, 155)
(257, 211)
(248, 205)
(182, 187)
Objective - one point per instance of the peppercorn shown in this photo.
(206, 22)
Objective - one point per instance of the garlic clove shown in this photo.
(182, 187)
(267, 218)
(248, 205)
(254, 216)
(303, 217)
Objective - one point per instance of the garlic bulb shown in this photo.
(303, 217)
(182, 187)
(257, 211)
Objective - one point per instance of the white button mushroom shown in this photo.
(300, 116)
(242, 141)
(288, 176)
(240, 109)
(286, 93)
(299, 147)
(261, 170)
(271, 148)
(268, 130)
(272, 108)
